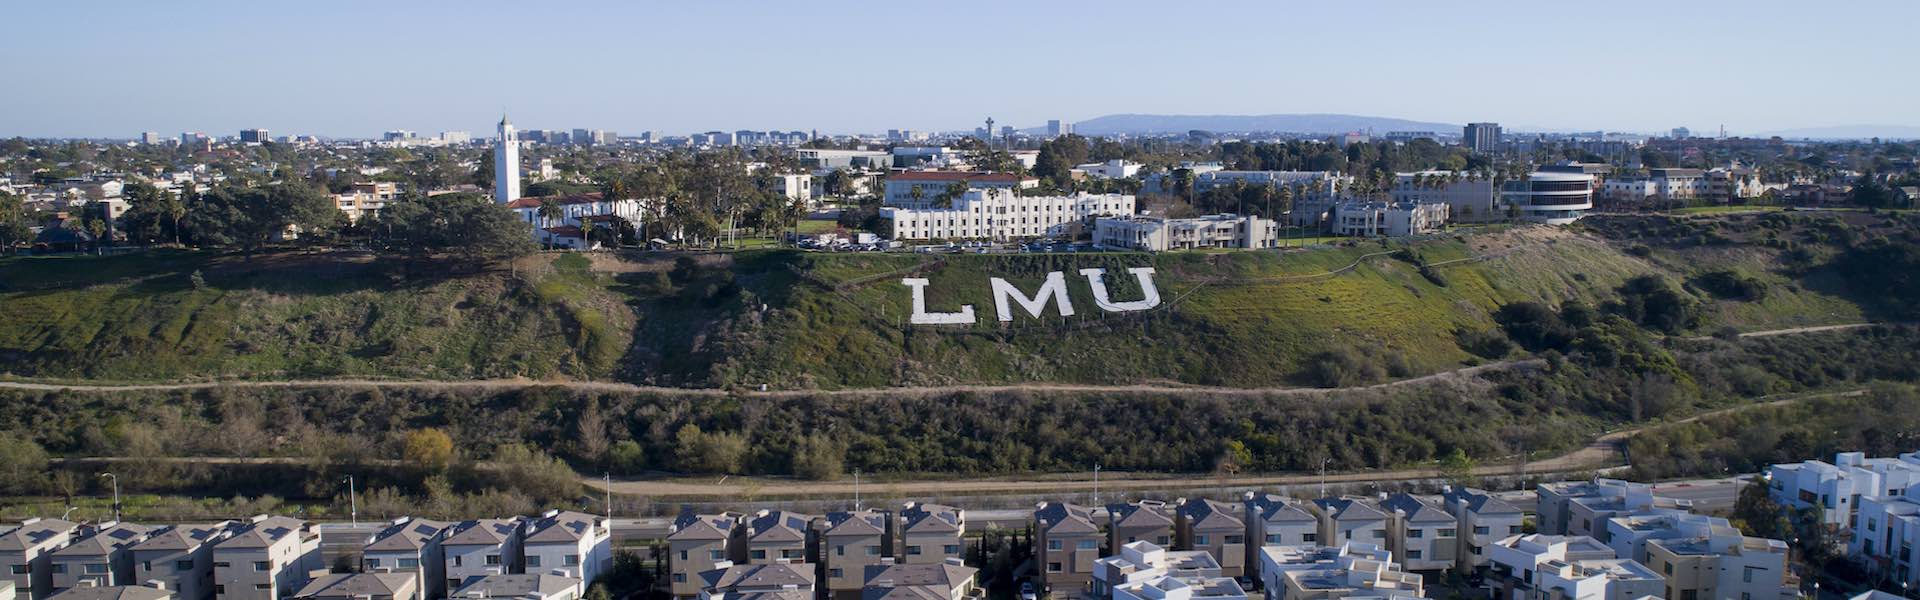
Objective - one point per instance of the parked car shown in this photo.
(1026, 591)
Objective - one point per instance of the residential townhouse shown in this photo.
(267, 558)
(414, 546)
(117, 592)
(1885, 533)
(361, 586)
(1065, 544)
(1274, 520)
(480, 548)
(1350, 519)
(1140, 520)
(850, 542)
(1352, 570)
(1217, 528)
(26, 552)
(1483, 520)
(569, 543)
(696, 544)
(527, 586)
(1838, 487)
(773, 581)
(945, 580)
(1142, 562)
(1713, 560)
(1533, 566)
(100, 559)
(180, 558)
(777, 536)
(1421, 533)
(930, 533)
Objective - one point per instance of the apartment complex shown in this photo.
(929, 189)
(267, 558)
(930, 533)
(481, 547)
(414, 547)
(1421, 533)
(1065, 544)
(1216, 528)
(569, 543)
(1838, 487)
(777, 536)
(1274, 520)
(1483, 520)
(1529, 567)
(696, 544)
(26, 552)
(100, 559)
(850, 542)
(1159, 234)
(180, 558)
(1350, 519)
(1141, 520)
(999, 214)
(1583, 507)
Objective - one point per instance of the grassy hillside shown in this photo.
(796, 320)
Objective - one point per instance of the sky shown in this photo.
(348, 68)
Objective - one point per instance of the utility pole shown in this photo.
(1096, 484)
(1323, 476)
(353, 503)
(116, 493)
(856, 489)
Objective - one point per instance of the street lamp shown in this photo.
(1096, 484)
(1323, 475)
(353, 503)
(116, 493)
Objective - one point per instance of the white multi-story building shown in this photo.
(1483, 520)
(999, 214)
(413, 547)
(1885, 533)
(578, 214)
(1421, 533)
(1838, 487)
(1583, 507)
(1274, 520)
(1374, 219)
(569, 543)
(266, 559)
(482, 547)
(1112, 169)
(1344, 520)
(1143, 561)
(26, 552)
(180, 558)
(101, 559)
(1532, 567)
(1158, 234)
(1468, 197)
(1353, 570)
(1552, 198)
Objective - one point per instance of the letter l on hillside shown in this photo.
(922, 317)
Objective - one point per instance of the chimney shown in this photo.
(156, 584)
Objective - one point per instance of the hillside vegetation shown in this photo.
(798, 320)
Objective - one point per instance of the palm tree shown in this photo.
(549, 211)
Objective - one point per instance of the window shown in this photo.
(1379, 533)
(263, 586)
(1085, 545)
(19, 569)
(533, 560)
(1053, 544)
(1513, 530)
(683, 555)
(493, 559)
(1309, 537)
(1668, 567)
(573, 560)
(1416, 533)
(183, 566)
(1202, 539)
(757, 555)
(1481, 530)
(1053, 567)
(679, 577)
(219, 589)
(913, 550)
(59, 568)
(1412, 554)
(1236, 539)
(372, 563)
(835, 573)
(261, 565)
(453, 584)
(716, 554)
(1274, 538)
(409, 563)
(950, 549)
(456, 558)
(840, 550)
(221, 565)
(1746, 575)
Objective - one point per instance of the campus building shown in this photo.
(1159, 234)
(998, 214)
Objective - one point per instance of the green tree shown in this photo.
(702, 452)
(23, 464)
(1755, 512)
(819, 457)
(14, 229)
(251, 218)
(1456, 468)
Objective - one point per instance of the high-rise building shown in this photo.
(455, 137)
(582, 137)
(506, 165)
(1681, 133)
(397, 135)
(150, 137)
(1057, 128)
(254, 136)
(1481, 137)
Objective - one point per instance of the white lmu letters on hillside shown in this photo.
(1055, 289)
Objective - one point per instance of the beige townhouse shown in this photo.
(851, 541)
(699, 543)
(26, 552)
(1065, 544)
(180, 558)
(930, 533)
(100, 559)
(1217, 528)
(268, 558)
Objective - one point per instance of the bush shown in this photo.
(1342, 367)
(1534, 326)
(1485, 343)
(1731, 285)
(1652, 302)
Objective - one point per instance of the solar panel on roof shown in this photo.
(424, 529)
(120, 534)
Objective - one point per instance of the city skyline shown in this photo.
(355, 69)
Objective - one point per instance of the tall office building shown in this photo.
(1481, 137)
(506, 165)
(1057, 128)
(254, 136)
(1681, 133)
(150, 137)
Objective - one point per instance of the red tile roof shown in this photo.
(950, 176)
(535, 201)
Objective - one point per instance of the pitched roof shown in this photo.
(183, 537)
(536, 201)
(482, 532)
(518, 585)
(408, 536)
(932, 518)
(28, 535)
(1481, 502)
(113, 592)
(1350, 509)
(1417, 509)
(778, 526)
(1278, 509)
(1063, 517)
(355, 585)
(1138, 514)
(776, 575)
(691, 526)
(563, 527)
(943, 574)
(1212, 515)
(106, 541)
(864, 523)
(263, 533)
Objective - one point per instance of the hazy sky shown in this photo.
(351, 68)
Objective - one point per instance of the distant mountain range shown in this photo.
(1837, 132)
(1321, 123)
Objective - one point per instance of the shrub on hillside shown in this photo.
(1342, 367)
(1731, 285)
(1534, 326)
(1484, 343)
(1655, 304)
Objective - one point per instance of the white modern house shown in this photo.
(1552, 198)
(1158, 234)
(1355, 570)
(1112, 169)
(1838, 487)
(1527, 567)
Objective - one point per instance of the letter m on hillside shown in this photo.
(1055, 289)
